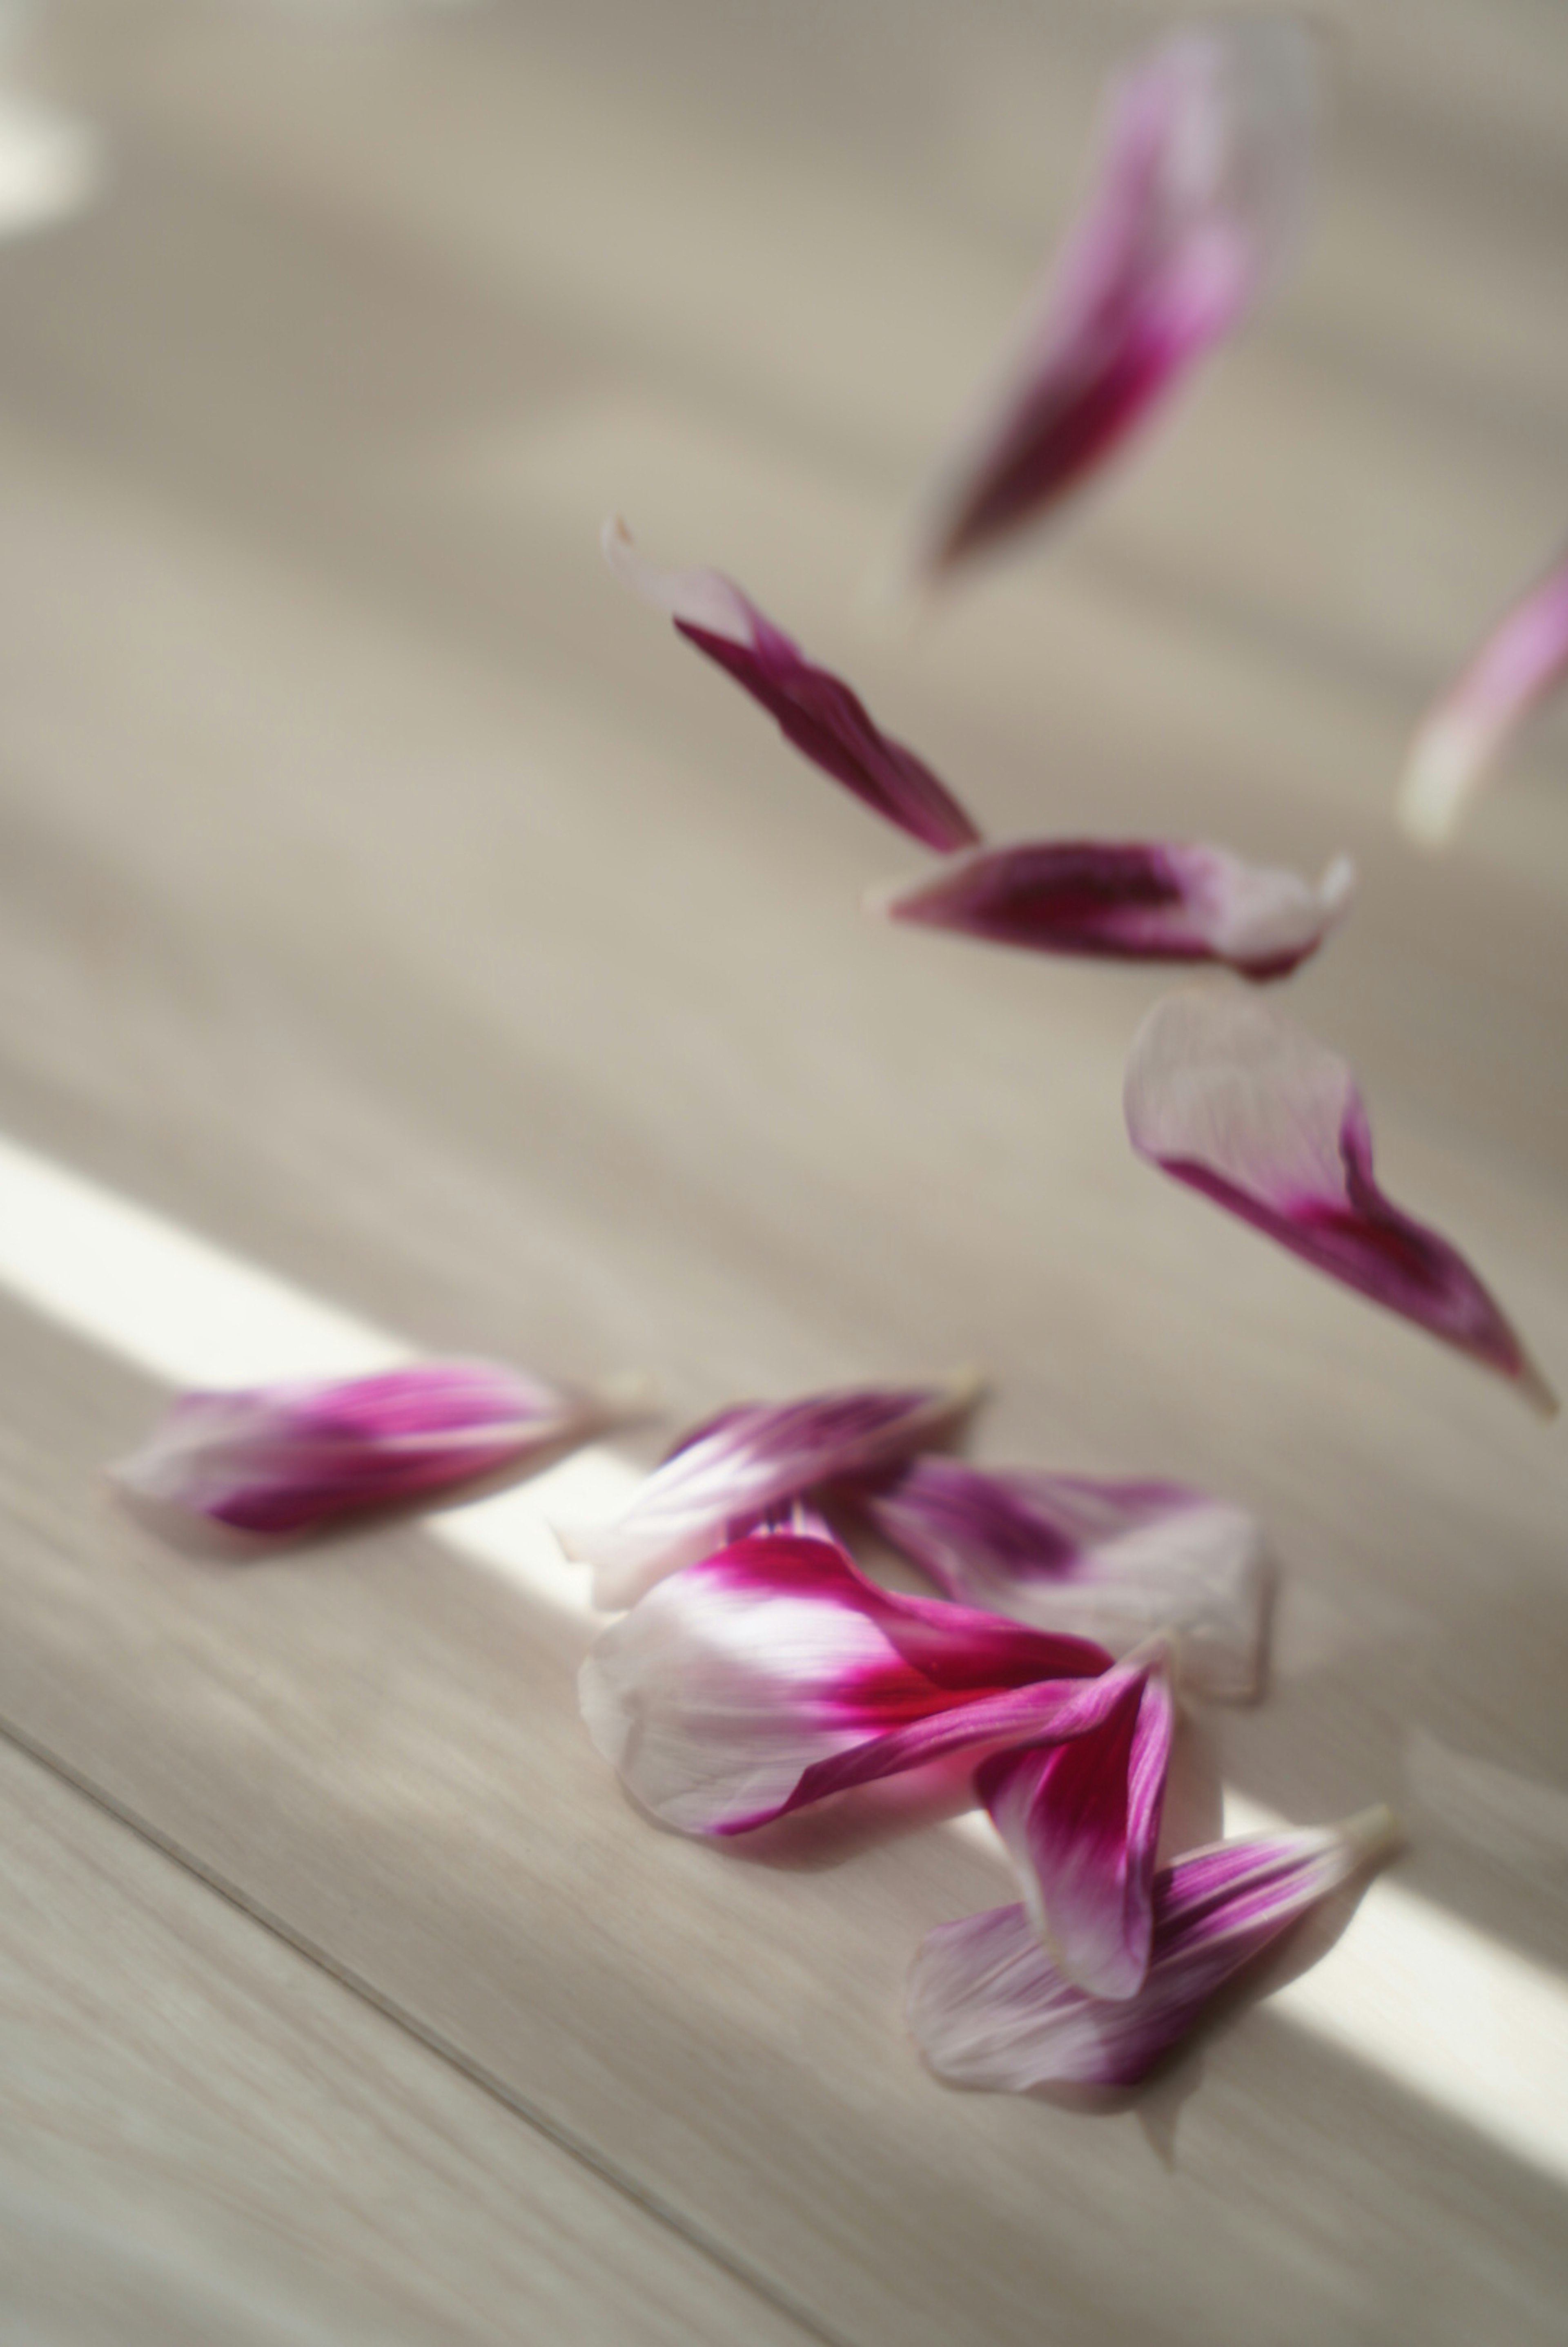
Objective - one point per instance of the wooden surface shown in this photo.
(387, 901)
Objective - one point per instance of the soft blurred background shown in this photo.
(386, 899)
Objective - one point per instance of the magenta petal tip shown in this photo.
(1520, 664)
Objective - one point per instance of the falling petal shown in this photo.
(282, 1460)
(1200, 193)
(749, 1461)
(1128, 901)
(1522, 661)
(815, 710)
(1241, 1105)
(989, 2008)
(1115, 1561)
(1080, 1821)
(774, 1673)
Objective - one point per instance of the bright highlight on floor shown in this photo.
(1450, 2015)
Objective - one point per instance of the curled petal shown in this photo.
(1205, 169)
(815, 710)
(1080, 1820)
(1115, 1561)
(747, 1462)
(1523, 659)
(774, 1673)
(281, 1460)
(1252, 1111)
(989, 2008)
(1128, 901)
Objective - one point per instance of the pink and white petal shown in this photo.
(1522, 662)
(774, 1673)
(1251, 1110)
(816, 711)
(1115, 1562)
(277, 1460)
(1205, 169)
(749, 1461)
(1080, 1820)
(988, 2008)
(1128, 901)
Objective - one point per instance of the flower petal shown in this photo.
(1205, 169)
(1080, 1821)
(1251, 1110)
(747, 1462)
(815, 710)
(1523, 659)
(1129, 901)
(774, 1673)
(989, 2008)
(1110, 1561)
(281, 1460)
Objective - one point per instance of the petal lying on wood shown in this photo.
(1080, 1820)
(1115, 1561)
(815, 710)
(774, 1674)
(989, 2008)
(749, 1461)
(1248, 1109)
(281, 1460)
(1522, 661)
(1204, 169)
(1128, 901)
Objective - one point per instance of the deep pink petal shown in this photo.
(747, 1462)
(989, 2008)
(1129, 901)
(1112, 1561)
(1522, 662)
(281, 1460)
(1081, 1821)
(1248, 1109)
(1204, 165)
(815, 710)
(774, 1673)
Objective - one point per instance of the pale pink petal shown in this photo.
(1241, 1105)
(989, 2008)
(774, 1673)
(1112, 1561)
(749, 1461)
(1080, 1821)
(1128, 901)
(815, 710)
(1521, 663)
(1204, 169)
(281, 1460)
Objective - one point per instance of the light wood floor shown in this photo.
(387, 902)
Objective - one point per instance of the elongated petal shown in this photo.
(773, 1674)
(281, 1460)
(1522, 661)
(815, 710)
(1080, 1820)
(989, 2008)
(1252, 1111)
(1205, 168)
(1115, 1561)
(749, 1461)
(1129, 901)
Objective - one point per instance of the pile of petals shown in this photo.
(771, 1672)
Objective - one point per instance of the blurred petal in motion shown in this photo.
(1111, 1561)
(1128, 901)
(1205, 169)
(989, 2008)
(1254, 1113)
(1522, 661)
(816, 711)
